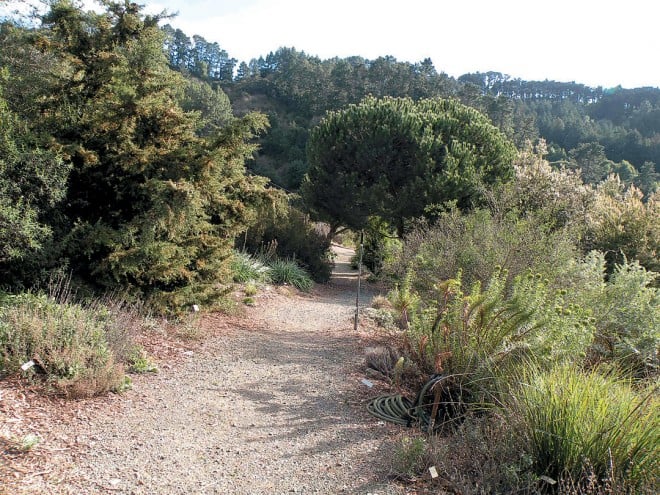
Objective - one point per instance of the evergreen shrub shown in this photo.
(291, 235)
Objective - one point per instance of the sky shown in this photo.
(593, 42)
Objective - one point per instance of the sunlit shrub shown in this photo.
(622, 225)
(71, 344)
(574, 423)
(555, 197)
(478, 242)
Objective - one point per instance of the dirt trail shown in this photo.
(275, 406)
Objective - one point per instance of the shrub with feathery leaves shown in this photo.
(626, 312)
(479, 339)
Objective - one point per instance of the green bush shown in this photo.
(477, 243)
(78, 348)
(404, 301)
(292, 235)
(139, 361)
(481, 338)
(247, 268)
(573, 423)
(625, 310)
(290, 273)
(32, 185)
(410, 457)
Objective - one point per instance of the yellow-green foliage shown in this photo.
(622, 225)
(574, 422)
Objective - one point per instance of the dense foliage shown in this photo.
(32, 183)
(395, 158)
(565, 347)
(596, 130)
(157, 189)
(80, 350)
(576, 423)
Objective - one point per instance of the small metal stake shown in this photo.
(357, 295)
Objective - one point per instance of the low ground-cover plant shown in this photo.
(78, 348)
(411, 457)
(140, 362)
(248, 268)
(290, 273)
(575, 423)
(479, 457)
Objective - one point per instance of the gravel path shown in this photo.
(273, 407)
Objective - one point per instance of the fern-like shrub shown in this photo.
(480, 338)
(404, 300)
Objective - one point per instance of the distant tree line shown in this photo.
(197, 57)
(597, 130)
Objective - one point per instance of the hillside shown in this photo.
(599, 130)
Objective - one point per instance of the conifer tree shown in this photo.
(32, 182)
(153, 207)
(394, 158)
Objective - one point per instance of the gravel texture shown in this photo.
(273, 404)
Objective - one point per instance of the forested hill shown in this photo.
(598, 130)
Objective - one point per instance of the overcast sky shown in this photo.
(594, 42)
